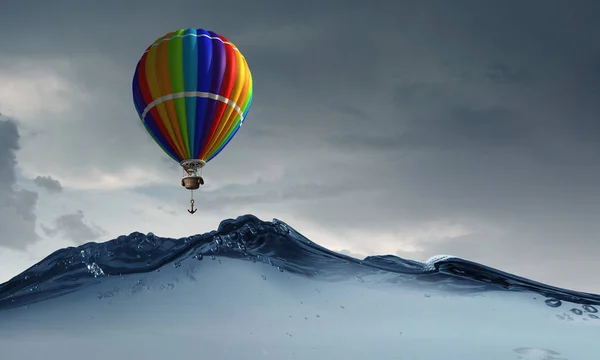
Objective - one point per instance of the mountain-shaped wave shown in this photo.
(274, 243)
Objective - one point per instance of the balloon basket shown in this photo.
(192, 182)
(192, 173)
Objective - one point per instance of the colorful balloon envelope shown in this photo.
(192, 89)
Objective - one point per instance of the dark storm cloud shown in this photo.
(456, 129)
(503, 73)
(48, 183)
(73, 227)
(382, 114)
(17, 206)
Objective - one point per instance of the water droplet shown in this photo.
(576, 311)
(214, 248)
(213, 257)
(590, 309)
(177, 264)
(150, 235)
(263, 277)
(553, 303)
(280, 269)
(95, 270)
(198, 256)
(252, 230)
(283, 230)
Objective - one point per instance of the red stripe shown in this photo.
(145, 89)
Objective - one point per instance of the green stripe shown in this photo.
(177, 84)
(247, 99)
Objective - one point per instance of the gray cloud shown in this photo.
(73, 227)
(503, 73)
(368, 116)
(17, 206)
(48, 183)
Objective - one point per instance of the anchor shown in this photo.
(192, 210)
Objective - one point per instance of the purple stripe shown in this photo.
(218, 66)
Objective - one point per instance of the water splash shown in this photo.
(256, 290)
(272, 243)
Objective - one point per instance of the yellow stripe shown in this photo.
(155, 91)
(162, 64)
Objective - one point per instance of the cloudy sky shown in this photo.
(413, 128)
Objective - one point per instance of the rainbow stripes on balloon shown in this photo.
(192, 89)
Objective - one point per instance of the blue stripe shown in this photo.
(204, 46)
(190, 81)
(138, 100)
(219, 64)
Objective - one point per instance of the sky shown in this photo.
(413, 128)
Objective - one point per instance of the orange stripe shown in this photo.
(162, 67)
(235, 115)
(155, 89)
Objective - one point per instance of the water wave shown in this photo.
(275, 243)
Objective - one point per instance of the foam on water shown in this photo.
(260, 290)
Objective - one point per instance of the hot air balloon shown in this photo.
(192, 89)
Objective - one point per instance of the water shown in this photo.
(260, 290)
